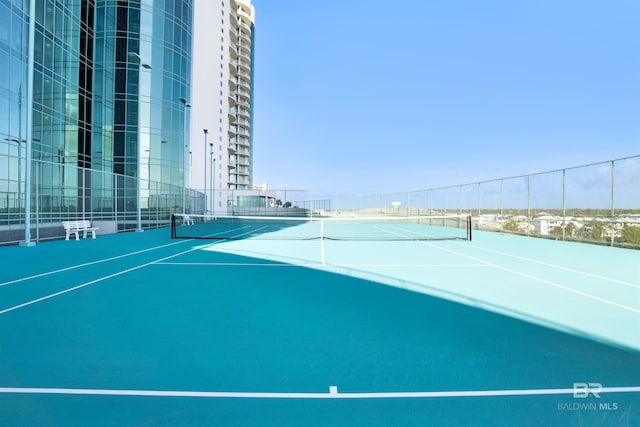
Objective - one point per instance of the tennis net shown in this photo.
(216, 227)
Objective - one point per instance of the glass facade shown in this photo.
(109, 77)
(13, 97)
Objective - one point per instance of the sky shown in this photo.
(383, 96)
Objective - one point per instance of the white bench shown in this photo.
(78, 226)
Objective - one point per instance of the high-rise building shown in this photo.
(110, 118)
(223, 99)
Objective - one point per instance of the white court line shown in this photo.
(251, 231)
(546, 264)
(322, 253)
(89, 263)
(529, 276)
(46, 297)
(413, 265)
(332, 394)
(48, 273)
(570, 270)
(228, 264)
(97, 280)
(258, 264)
(418, 236)
(539, 279)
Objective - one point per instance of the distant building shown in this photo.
(262, 187)
(544, 223)
(223, 101)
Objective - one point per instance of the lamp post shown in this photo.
(184, 154)
(205, 168)
(135, 58)
(212, 165)
(27, 159)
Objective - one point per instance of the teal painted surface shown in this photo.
(266, 316)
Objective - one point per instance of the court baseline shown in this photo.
(332, 394)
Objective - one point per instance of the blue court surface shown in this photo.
(138, 329)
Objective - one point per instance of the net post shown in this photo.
(173, 226)
(322, 252)
(469, 227)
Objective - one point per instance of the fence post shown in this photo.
(528, 204)
(478, 199)
(564, 199)
(613, 204)
(502, 197)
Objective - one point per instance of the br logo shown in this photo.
(582, 390)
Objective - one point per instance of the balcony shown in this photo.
(241, 101)
(242, 82)
(233, 71)
(244, 93)
(233, 37)
(241, 72)
(243, 63)
(245, 36)
(242, 46)
(233, 51)
(239, 111)
(244, 19)
(241, 121)
(241, 140)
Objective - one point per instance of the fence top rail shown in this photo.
(636, 156)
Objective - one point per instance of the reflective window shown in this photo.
(5, 24)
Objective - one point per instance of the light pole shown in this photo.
(184, 155)
(212, 165)
(135, 58)
(205, 169)
(27, 159)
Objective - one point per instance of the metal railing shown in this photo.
(105, 198)
(598, 202)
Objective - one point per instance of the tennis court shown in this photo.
(142, 329)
